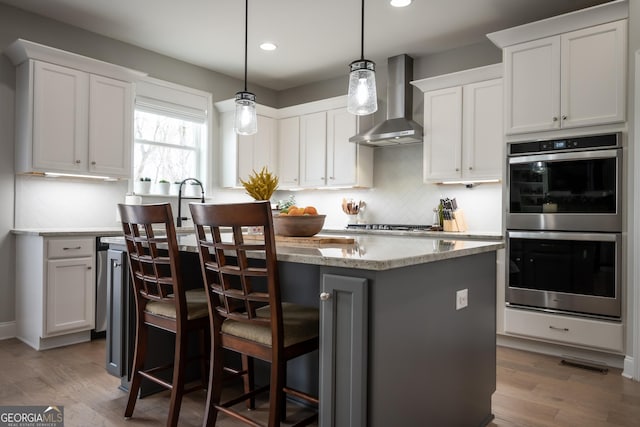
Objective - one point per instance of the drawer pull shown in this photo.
(555, 328)
(324, 296)
(75, 248)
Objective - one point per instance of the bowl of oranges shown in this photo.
(297, 221)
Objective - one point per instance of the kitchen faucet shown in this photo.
(180, 217)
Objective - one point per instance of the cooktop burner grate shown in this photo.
(396, 227)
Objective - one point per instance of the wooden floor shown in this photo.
(532, 390)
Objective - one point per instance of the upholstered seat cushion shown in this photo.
(196, 306)
(300, 324)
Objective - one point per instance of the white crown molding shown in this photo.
(488, 72)
(22, 50)
(600, 14)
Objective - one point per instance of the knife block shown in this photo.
(458, 222)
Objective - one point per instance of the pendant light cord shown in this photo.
(362, 34)
(246, 36)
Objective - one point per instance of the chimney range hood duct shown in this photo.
(399, 128)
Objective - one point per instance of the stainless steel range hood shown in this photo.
(399, 128)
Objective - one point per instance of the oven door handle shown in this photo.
(575, 155)
(564, 235)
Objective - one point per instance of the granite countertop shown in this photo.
(117, 231)
(368, 252)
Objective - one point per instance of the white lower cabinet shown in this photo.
(55, 290)
(569, 330)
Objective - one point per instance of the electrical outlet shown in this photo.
(462, 298)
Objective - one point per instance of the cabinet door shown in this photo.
(341, 154)
(70, 295)
(117, 292)
(532, 85)
(482, 141)
(60, 97)
(257, 150)
(593, 75)
(313, 143)
(442, 134)
(110, 126)
(289, 151)
(343, 351)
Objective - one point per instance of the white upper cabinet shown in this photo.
(243, 154)
(442, 134)
(74, 114)
(327, 158)
(110, 126)
(570, 80)
(463, 130)
(482, 138)
(313, 147)
(289, 152)
(306, 145)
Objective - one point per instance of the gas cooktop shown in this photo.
(395, 227)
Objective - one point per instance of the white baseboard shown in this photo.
(629, 368)
(7, 330)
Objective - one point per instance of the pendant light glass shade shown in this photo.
(362, 98)
(245, 122)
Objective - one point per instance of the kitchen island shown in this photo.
(394, 350)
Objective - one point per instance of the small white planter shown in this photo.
(162, 187)
(191, 190)
(174, 188)
(142, 187)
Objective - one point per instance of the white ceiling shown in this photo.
(316, 39)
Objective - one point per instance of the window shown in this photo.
(170, 132)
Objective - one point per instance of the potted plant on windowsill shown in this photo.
(142, 186)
(174, 188)
(162, 186)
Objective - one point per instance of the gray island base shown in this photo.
(394, 350)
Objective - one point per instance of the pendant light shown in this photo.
(362, 98)
(246, 121)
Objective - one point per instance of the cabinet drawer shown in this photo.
(569, 330)
(70, 248)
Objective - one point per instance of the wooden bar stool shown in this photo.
(161, 300)
(246, 312)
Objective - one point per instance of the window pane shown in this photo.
(167, 130)
(161, 162)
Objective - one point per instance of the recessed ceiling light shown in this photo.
(400, 3)
(268, 46)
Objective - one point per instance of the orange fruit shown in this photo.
(310, 210)
(296, 211)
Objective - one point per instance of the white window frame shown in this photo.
(182, 102)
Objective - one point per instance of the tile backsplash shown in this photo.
(399, 196)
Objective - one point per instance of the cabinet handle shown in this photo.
(564, 117)
(555, 119)
(93, 163)
(325, 296)
(555, 328)
(457, 169)
(322, 177)
(295, 179)
(116, 264)
(89, 268)
(470, 168)
(75, 248)
(331, 177)
(77, 162)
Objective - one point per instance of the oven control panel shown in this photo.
(566, 144)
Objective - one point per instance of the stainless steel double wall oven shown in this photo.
(564, 224)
